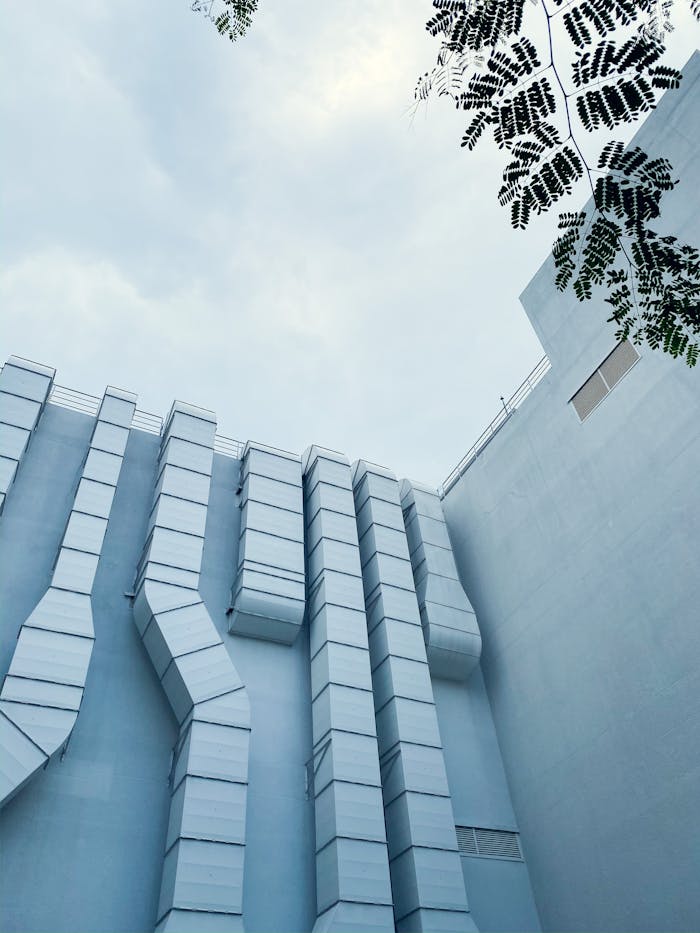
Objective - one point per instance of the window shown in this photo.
(608, 374)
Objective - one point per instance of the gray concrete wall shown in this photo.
(499, 890)
(82, 844)
(279, 885)
(578, 547)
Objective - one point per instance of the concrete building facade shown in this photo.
(191, 741)
(248, 689)
(578, 542)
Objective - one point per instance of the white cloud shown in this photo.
(259, 228)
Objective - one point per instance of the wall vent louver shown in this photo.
(466, 840)
(608, 374)
(488, 843)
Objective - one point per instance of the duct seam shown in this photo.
(24, 389)
(42, 693)
(450, 628)
(426, 874)
(353, 889)
(268, 594)
(203, 862)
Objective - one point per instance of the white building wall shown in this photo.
(577, 544)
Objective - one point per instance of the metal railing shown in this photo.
(89, 405)
(228, 446)
(142, 420)
(147, 421)
(71, 398)
(509, 408)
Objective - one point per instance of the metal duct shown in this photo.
(353, 890)
(202, 882)
(268, 595)
(426, 872)
(43, 689)
(450, 628)
(24, 389)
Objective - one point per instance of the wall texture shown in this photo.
(577, 544)
(83, 843)
(42, 692)
(278, 886)
(499, 891)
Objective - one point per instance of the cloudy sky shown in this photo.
(263, 229)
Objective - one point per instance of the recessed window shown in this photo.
(608, 374)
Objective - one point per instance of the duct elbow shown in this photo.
(450, 627)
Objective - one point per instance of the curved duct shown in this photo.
(202, 882)
(426, 872)
(268, 595)
(450, 628)
(353, 890)
(43, 689)
(24, 389)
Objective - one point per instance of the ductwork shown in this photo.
(426, 872)
(450, 628)
(43, 690)
(353, 890)
(24, 389)
(268, 595)
(202, 882)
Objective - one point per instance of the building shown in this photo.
(250, 689)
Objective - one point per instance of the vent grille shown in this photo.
(620, 361)
(608, 374)
(488, 843)
(589, 395)
(466, 840)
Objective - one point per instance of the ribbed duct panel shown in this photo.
(202, 883)
(426, 873)
(451, 632)
(268, 596)
(43, 689)
(353, 890)
(24, 389)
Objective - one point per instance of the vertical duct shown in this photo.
(450, 629)
(202, 882)
(353, 890)
(43, 689)
(268, 595)
(426, 872)
(24, 389)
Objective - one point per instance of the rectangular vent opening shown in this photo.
(611, 370)
(619, 362)
(590, 395)
(466, 840)
(488, 843)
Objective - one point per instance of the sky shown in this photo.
(266, 229)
